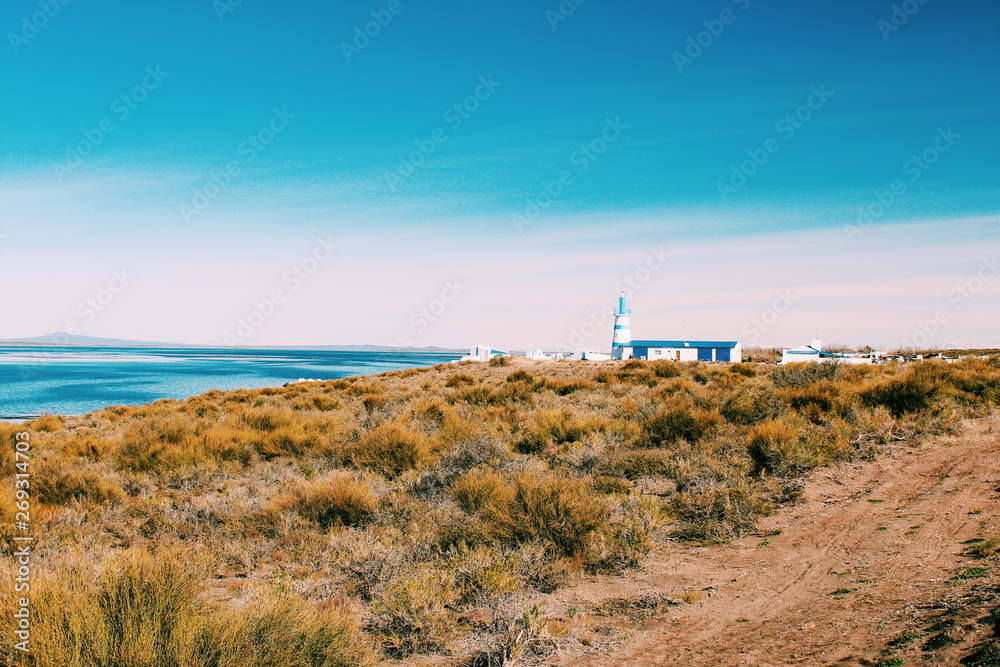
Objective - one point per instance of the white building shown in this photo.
(587, 355)
(623, 347)
(482, 353)
(814, 352)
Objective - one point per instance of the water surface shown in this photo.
(37, 379)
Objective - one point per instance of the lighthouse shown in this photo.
(624, 347)
(621, 344)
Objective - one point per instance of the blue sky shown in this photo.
(531, 156)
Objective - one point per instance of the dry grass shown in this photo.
(367, 519)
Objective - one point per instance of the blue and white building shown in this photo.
(624, 347)
(814, 352)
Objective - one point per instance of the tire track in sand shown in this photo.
(889, 531)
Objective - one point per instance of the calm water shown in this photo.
(75, 380)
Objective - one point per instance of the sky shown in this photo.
(418, 172)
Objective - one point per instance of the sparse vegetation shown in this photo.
(368, 519)
(972, 573)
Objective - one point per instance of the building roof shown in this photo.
(682, 343)
(808, 349)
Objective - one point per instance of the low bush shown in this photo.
(555, 510)
(679, 422)
(279, 631)
(566, 387)
(412, 612)
(718, 515)
(58, 483)
(482, 490)
(774, 447)
(552, 428)
(338, 500)
(805, 374)
(747, 406)
(665, 369)
(902, 395)
(461, 379)
(160, 444)
(390, 450)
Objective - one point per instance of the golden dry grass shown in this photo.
(366, 519)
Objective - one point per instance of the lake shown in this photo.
(37, 379)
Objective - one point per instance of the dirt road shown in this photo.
(870, 550)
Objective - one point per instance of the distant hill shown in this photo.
(63, 338)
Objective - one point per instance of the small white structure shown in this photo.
(814, 352)
(482, 353)
(587, 355)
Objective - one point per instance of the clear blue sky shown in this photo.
(531, 269)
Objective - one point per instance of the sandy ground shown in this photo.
(889, 531)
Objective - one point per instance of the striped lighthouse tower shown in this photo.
(621, 344)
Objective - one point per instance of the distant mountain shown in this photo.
(63, 338)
